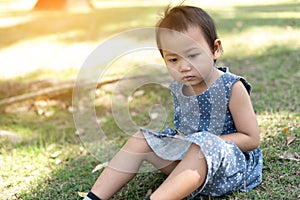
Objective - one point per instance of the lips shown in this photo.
(188, 78)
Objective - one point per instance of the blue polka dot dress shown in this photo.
(200, 119)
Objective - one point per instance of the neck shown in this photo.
(212, 76)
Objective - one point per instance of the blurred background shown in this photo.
(43, 44)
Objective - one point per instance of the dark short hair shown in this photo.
(181, 17)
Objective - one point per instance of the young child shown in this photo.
(214, 148)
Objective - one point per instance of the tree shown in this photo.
(62, 4)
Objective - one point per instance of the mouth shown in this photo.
(188, 78)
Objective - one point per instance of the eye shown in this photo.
(173, 60)
(193, 55)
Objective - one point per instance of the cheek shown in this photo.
(206, 59)
(174, 73)
(203, 63)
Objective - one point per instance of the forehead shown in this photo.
(174, 41)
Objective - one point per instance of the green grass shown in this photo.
(260, 42)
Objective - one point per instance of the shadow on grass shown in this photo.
(16, 87)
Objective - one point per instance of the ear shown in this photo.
(217, 49)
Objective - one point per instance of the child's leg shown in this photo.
(188, 175)
(125, 164)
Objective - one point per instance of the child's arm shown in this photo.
(247, 137)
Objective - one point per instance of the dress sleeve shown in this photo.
(231, 79)
(246, 84)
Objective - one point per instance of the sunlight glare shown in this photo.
(43, 53)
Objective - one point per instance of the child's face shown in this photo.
(187, 56)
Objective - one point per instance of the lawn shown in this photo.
(42, 156)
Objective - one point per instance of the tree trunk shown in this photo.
(62, 4)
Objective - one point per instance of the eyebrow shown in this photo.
(184, 51)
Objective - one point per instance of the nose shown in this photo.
(185, 65)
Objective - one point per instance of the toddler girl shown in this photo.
(213, 149)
